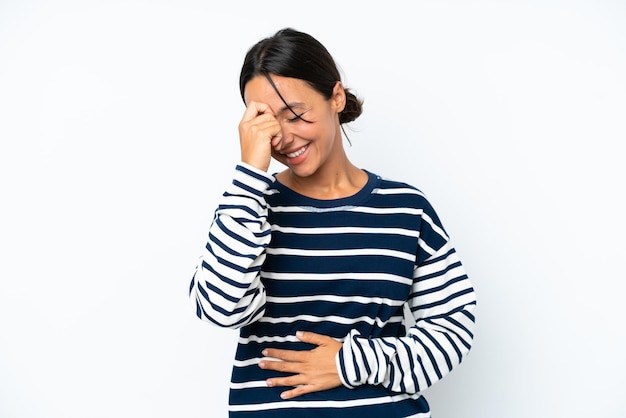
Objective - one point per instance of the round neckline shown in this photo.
(298, 199)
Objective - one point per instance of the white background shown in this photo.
(118, 128)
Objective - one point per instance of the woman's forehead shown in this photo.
(296, 92)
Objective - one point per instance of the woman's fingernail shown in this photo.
(269, 383)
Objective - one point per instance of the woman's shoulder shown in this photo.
(401, 193)
(397, 186)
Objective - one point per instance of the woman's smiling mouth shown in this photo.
(296, 153)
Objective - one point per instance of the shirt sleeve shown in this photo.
(442, 302)
(226, 288)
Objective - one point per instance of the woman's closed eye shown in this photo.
(298, 117)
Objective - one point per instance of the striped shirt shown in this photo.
(351, 268)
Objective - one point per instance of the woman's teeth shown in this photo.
(296, 153)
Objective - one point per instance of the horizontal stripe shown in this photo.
(359, 209)
(346, 230)
(398, 190)
(336, 299)
(247, 385)
(318, 404)
(337, 276)
(330, 318)
(268, 339)
(341, 253)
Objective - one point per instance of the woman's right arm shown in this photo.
(226, 288)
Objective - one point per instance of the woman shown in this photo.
(316, 264)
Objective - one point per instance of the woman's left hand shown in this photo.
(313, 371)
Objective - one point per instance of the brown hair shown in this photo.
(290, 53)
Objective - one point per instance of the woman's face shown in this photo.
(311, 134)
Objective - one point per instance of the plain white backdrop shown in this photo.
(118, 129)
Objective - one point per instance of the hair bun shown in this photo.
(352, 109)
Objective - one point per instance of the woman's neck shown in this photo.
(327, 183)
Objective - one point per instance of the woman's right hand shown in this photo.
(259, 131)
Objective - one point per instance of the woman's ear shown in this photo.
(338, 99)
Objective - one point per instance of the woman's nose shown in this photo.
(287, 137)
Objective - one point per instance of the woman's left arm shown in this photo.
(442, 302)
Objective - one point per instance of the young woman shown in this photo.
(316, 265)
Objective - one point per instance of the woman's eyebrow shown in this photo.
(290, 107)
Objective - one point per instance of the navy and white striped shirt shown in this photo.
(277, 262)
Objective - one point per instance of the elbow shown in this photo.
(462, 326)
(233, 320)
(224, 315)
(469, 324)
